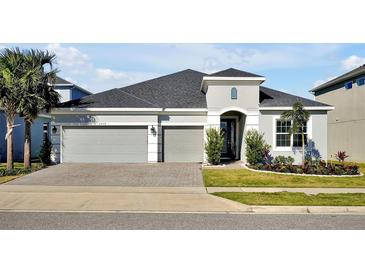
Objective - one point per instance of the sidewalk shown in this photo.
(281, 189)
(113, 199)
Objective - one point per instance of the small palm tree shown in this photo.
(299, 118)
(38, 93)
(11, 69)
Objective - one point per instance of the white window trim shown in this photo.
(289, 148)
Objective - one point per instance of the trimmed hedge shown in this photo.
(320, 169)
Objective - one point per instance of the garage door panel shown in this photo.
(104, 144)
(183, 144)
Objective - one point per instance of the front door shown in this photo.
(228, 126)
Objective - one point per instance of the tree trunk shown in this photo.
(27, 143)
(9, 143)
(303, 152)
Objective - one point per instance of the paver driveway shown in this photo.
(149, 175)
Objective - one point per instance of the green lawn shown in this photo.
(295, 198)
(4, 179)
(242, 177)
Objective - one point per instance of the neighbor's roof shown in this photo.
(274, 98)
(353, 73)
(177, 90)
(231, 72)
(60, 81)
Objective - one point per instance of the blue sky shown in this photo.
(293, 68)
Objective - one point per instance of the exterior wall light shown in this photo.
(54, 130)
(153, 130)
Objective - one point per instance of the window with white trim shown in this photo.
(282, 133)
(234, 93)
(297, 138)
(285, 139)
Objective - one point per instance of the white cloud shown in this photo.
(68, 56)
(108, 74)
(214, 57)
(352, 62)
(320, 82)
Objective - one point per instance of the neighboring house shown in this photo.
(346, 124)
(165, 119)
(68, 91)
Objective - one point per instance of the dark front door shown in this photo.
(228, 126)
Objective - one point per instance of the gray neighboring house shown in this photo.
(165, 120)
(346, 123)
(68, 91)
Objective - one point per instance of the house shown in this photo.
(68, 91)
(346, 123)
(165, 119)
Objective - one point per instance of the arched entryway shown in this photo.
(232, 123)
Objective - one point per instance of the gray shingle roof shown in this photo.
(61, 81)
(231, 72)
(353, 73)
(274, 98)
(177, 90)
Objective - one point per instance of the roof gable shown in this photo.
(231, 72)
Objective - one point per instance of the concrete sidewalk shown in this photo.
(281, 189)
(112, 199)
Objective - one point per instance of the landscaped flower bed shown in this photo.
(318, 169)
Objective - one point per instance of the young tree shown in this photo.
(299, 118)
(37, 94)
(11, 69)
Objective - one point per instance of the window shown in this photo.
(361, 81)
(297, 138)
(282, 133)
(233, 93)
(284, 139)
(348, 85)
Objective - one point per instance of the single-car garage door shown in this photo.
(93, 144)
(183, 144)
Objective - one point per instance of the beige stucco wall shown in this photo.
(346, 123)
(219, 95)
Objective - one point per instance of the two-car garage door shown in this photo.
(93, 144)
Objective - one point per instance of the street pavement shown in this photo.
(20, 220)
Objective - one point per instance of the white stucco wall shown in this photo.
(317, 133)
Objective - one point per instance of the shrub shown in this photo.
(320, 169)
(282, 160)
(214, 145)
(341, 156)
(45, 152)
(257, 150)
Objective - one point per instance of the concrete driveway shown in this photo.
(134, 175)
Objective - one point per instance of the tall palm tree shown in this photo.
(299, 118)
(38, 94)
(11, 69)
